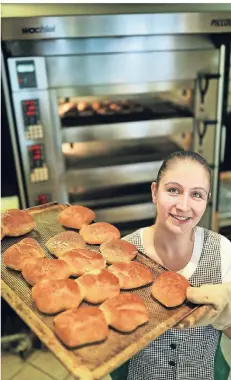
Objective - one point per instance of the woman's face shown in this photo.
(181, 197)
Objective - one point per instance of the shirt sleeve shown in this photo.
(225, 259)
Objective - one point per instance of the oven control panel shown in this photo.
(34, 123)
(38, 165)
(33, 128)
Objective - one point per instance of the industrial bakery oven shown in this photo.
(99, 101)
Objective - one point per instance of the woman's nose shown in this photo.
(183, 203)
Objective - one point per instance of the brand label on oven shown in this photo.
(39, 29)
(221, 22)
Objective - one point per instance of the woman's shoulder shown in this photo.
(134, 237)
(224, 242)
(225, 250)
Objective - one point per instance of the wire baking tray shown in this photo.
(96, 360)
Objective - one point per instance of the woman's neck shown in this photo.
(168, 249)
(171, 244)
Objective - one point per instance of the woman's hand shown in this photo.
(219, 315)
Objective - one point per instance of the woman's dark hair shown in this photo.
(182, 155)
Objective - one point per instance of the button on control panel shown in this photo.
(31, 116)
(38, 165)
(43, 198)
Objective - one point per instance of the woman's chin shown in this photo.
(179, 228)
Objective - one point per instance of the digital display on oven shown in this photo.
(26, 74)
(25, 68)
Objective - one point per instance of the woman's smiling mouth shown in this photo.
(180, 218)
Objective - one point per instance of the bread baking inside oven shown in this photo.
(96, 105)
(170, 289)
(132, 275)
(17, 222)
(125, 312)
(81, 326)
(64, 242)
(97, 233)
(17, 254)
(53, 296)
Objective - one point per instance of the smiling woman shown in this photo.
(181, 192)
(175, 241)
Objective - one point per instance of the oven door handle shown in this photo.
(203, 89)
(223, 143)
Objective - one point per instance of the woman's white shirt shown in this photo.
(190, 268)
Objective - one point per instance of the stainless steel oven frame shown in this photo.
(89, 57)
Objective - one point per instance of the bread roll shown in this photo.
(64, 108)
(17, 255)
(17, 222)
(81, 261)
(95, 105)
(81, 326)
(170, 289)
(99, 232)
(99, 285)
(132, 275)
(35, 270)
(76, 217)
(81, 106)
(118, 250)
(64, 242)
(53, 296)
(125, 312)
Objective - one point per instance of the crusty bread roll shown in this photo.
(17, 255)
(99, 232)
(76, 217)
(64, 242)
(81, 326)
(131, 275)
(170, 289)
(125, 312)
(53, 296)
(35, 270)
(98, 286)
(81, 261)
(118, 250)
(17, 222)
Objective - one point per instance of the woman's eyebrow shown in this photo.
(200, 188)
(172, 183)
(178, 184)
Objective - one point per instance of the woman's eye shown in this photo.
(197, 195)
(173, 190)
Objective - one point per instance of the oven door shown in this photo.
(112, 146)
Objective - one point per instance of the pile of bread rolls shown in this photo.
(96, 277)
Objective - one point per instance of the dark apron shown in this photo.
(221, 367)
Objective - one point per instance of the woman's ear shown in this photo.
(153, 190)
